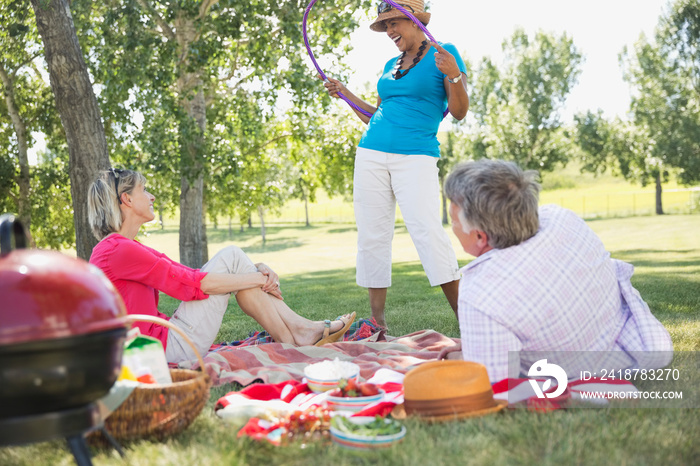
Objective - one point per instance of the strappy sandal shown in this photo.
(329, 337)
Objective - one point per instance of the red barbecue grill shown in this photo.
(62, 329)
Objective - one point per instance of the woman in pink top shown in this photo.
(118, 205)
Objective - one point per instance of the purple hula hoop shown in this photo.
(318, 68)
(323, 75)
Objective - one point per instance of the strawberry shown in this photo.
(351, 385)
(348, 387)
(368, 389)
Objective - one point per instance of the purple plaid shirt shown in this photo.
(557, 291)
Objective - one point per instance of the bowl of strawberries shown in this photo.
(353, 396)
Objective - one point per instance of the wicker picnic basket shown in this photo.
(161, 410)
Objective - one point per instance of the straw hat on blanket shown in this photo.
(449, 390)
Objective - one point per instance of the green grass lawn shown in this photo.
(317, 269)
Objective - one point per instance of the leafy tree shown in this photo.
(39, 194)
(457, 144)
(173, 62)
(50, 190)
(517, 108)
(304, 174)
(665, 129)
(265, 186)
(77, 106)
(622, 147)
(306, 183)
(448, 157)
(665, 75)
(23, 93)
(325, 158)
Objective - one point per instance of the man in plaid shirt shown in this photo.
(542, 279)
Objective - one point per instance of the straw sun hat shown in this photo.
(449, 390)
(415, 7)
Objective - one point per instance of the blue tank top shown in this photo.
(410, 113)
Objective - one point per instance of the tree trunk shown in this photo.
(193, 238)
(77, 107)
(445, 220)
(23, 204)
(205, 242)
(659, 205)
(261, 212)
(306, 208)
(230, 227)
(191, 222)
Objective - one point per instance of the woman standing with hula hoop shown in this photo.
(397, 156)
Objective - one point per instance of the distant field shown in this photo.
(602, 200)
(293, 249)
(590, 197)
(608, 196)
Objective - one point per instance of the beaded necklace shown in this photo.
(398, 74)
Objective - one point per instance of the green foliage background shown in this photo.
(272, 137)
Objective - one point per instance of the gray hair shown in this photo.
(496, 197)
(104, 214)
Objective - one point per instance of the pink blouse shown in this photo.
(139, 273)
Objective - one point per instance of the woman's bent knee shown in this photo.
(231, 259)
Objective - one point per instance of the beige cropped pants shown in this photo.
(381, 180)
(201, 320)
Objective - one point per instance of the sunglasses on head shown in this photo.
(383, 7)
(116, 172)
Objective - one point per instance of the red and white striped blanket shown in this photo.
(273, 363)
(279, 362)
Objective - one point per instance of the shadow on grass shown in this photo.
(669, 295)
(222, 235)
(273, 245)
(657, 258)
(412, 304)
(669, 285)
(343, 230)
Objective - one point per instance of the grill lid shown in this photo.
(48, 295)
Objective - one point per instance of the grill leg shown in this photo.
(80, 451)
(112, 441)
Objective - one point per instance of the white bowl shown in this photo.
(352, 403)
(325, 375)
(320, 386)
(361, 442)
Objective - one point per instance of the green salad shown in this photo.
(379, 426)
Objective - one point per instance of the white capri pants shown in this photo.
(201, 319)
(381, 179)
